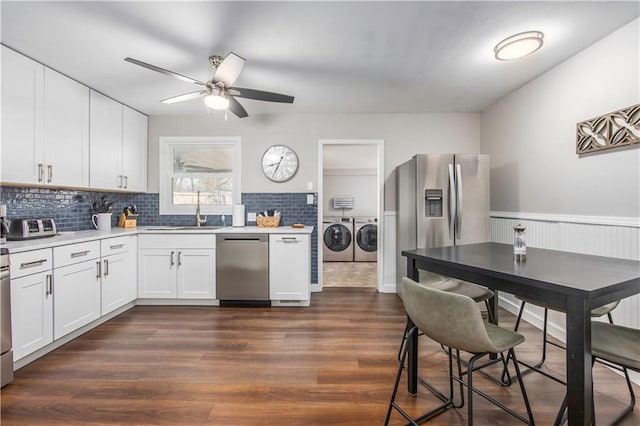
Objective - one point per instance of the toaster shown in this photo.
(27, 229)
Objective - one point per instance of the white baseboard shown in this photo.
(178, 302)
(388, 288)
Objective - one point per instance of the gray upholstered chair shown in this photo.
(617, 345)
(595, 313)
(455, 321)
(476, 292)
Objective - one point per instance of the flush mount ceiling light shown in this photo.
(217, 100)
(518, 46)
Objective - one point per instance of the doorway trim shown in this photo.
(379, 144)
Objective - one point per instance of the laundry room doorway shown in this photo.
(350, 207)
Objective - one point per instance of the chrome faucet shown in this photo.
(199, 220)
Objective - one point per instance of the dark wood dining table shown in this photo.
(569, 282)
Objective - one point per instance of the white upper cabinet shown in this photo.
(45, 125)
(118, 142)
(134, 150)
(66, 131)
(22, 127)
(58, 132)
(106, 142)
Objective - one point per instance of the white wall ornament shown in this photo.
(613, 130)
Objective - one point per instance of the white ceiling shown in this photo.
(334, 57)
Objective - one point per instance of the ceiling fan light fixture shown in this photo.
(518, 45)
(216, 101)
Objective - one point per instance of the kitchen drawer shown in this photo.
(74, 253)
(116, 245)
(31, 262)
(177, 241)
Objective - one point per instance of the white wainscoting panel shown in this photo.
(620, 239)
(389, 260)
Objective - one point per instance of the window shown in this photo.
(210, 165)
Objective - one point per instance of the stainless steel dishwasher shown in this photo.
(242, 267)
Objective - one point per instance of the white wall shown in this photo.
(404, 136)
(531, 136)
(362, 188)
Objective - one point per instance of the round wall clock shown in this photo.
(279, 163)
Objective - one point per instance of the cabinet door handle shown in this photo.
(116, 246)
(79, 254)
(119, 181)
(179, 258)
(289, 239)
(98, 270)
(106, 267)
(40, 172)
(49, 285)
(49, 173)
(32, 264)
(126, 181)
(172, 259)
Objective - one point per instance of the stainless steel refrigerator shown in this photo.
(441, 200)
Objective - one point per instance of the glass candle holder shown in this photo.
(519, 244)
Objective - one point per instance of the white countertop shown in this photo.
(71, 237)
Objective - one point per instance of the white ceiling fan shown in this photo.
(218, 92)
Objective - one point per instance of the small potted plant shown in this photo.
(102, 218)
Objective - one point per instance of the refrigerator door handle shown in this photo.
(459, 201)
(452, 202)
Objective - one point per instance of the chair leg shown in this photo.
(489, 311)
(519, 318)
(545, 341)
(544, 333)
(459, 363)
(512, 355)
(448, 401)
(471, 390)
(404, 339)
(561, 417)
(632, 394)
(392, 403)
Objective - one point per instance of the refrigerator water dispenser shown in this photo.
(433, 202)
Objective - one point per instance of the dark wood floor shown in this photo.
(332, 363)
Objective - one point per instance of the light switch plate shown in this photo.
(309, 186)
(309, 198)
(251, 217)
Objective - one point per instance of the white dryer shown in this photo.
(337, 235)
(365, 231)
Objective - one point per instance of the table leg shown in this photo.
(493, 307)
(579, 375)
(412, 342)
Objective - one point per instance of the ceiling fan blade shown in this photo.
(229, 69)
(261, 95)
(165, 72)
(185, 97)
(236, 108)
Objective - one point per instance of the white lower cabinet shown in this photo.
(289, 267)
(31, 313)
(176, 266)
(31, 301)
(118, 283)
(157, 276)
(196, 274)
(76, 300)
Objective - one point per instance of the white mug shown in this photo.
(101, 221)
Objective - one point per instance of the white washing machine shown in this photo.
(337, 234)
(365, 231)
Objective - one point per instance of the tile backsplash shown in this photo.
(72, 210)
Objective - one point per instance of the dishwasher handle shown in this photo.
(233, 238)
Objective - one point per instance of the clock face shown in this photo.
(279, 163)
